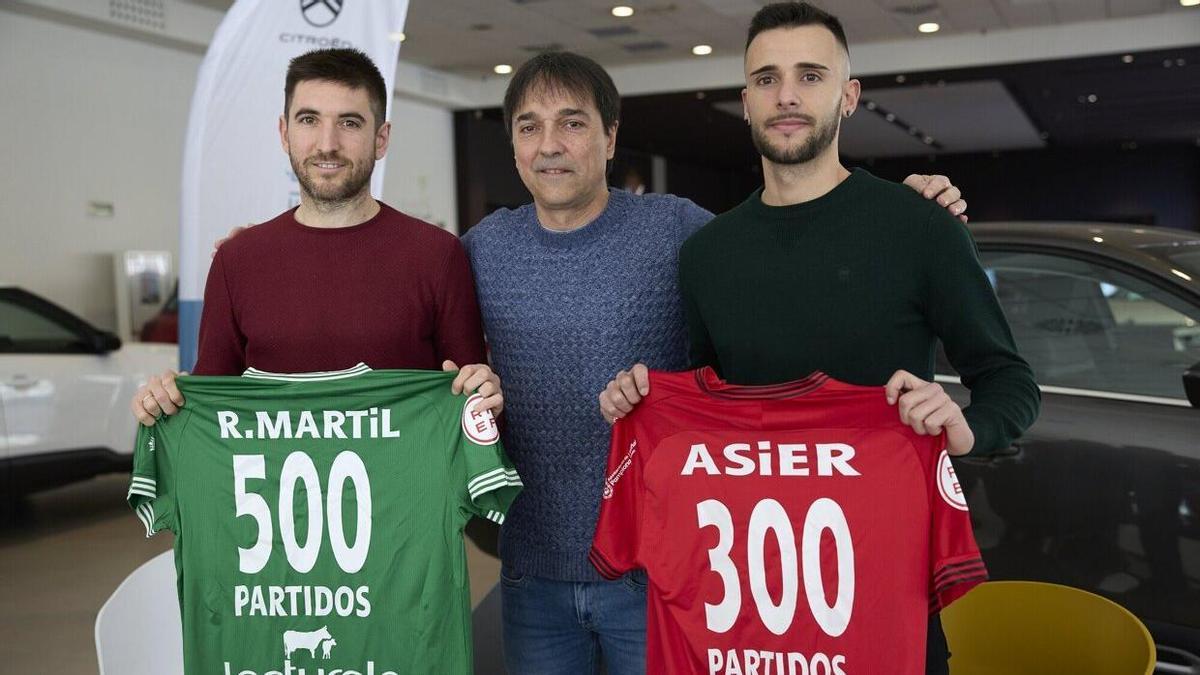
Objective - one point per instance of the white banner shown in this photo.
(234, 170)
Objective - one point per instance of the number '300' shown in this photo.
(769, 516)
(299, 467)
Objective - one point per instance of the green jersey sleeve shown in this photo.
(150, 486)
(491, 480)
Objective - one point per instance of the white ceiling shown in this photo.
(469, 37)
(445, 34)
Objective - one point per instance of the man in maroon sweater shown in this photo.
(342, 278)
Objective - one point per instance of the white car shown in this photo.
(65, 388)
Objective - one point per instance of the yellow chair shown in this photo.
(1032, 628)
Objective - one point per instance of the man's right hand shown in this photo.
(159, 396)
(232, 233)
(623, 392)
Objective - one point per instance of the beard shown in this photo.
(333, 192)
(823, 132)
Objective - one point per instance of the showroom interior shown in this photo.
(1071, 128)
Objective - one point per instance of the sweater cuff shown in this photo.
(987, 435)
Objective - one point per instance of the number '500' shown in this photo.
(299, 467)
(769, 515)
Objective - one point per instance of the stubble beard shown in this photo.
(824, 130)
(329, 195)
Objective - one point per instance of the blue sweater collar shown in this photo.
(613, 214)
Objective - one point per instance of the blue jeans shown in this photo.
(567, 627)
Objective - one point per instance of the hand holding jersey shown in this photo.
(322, 510)
(924, 406)
(791, 528)
(161, 396)
(929, 410)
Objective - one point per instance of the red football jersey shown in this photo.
(793, 529)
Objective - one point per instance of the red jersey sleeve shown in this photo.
(955, 563)
(619, 529)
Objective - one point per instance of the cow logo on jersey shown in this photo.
(479, 425)
(615, 476)
(294, 640)
(948, 485)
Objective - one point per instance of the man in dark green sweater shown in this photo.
(839, 271)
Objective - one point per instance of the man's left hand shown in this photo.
(943, 190)
(477, 377)
(929, 410)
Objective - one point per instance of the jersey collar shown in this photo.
(710, 383)
(308, 377)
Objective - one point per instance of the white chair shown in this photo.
(138, 630)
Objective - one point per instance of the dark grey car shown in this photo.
(1103, 492)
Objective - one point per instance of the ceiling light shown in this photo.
(1128, 58)
(1098, 240)
(1181, 275)
(1189, 3)
(1091, 98)
(890, 117)
(871, 105)
(900, 79)
(622, 11)
(396, 36)
(502, 69)
(931, 27)
(702, 50)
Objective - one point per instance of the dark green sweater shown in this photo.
(858, 283)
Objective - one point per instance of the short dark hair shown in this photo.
(348, 67)
(794, 15)
(559, 71)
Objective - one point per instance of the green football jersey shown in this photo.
(318, 519)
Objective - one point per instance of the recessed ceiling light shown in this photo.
(1128, 58)
(929, 27)
(702, 50)
(1189, 3)
(900, 79)
(396, 36)
(502, 69)
(1092, 98)
(622, 11)
(890, 117)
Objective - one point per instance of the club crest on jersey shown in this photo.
(479, 425)
(615, 476)
(948, 485)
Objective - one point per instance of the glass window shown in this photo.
(1086, 326)
(24, 330)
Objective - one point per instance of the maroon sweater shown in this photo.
(393, 292)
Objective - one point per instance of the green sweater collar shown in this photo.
(844, 193)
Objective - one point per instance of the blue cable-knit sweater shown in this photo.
(563, 312)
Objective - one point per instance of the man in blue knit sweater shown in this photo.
(574, 287)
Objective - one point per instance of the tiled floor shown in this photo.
(65, 551)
